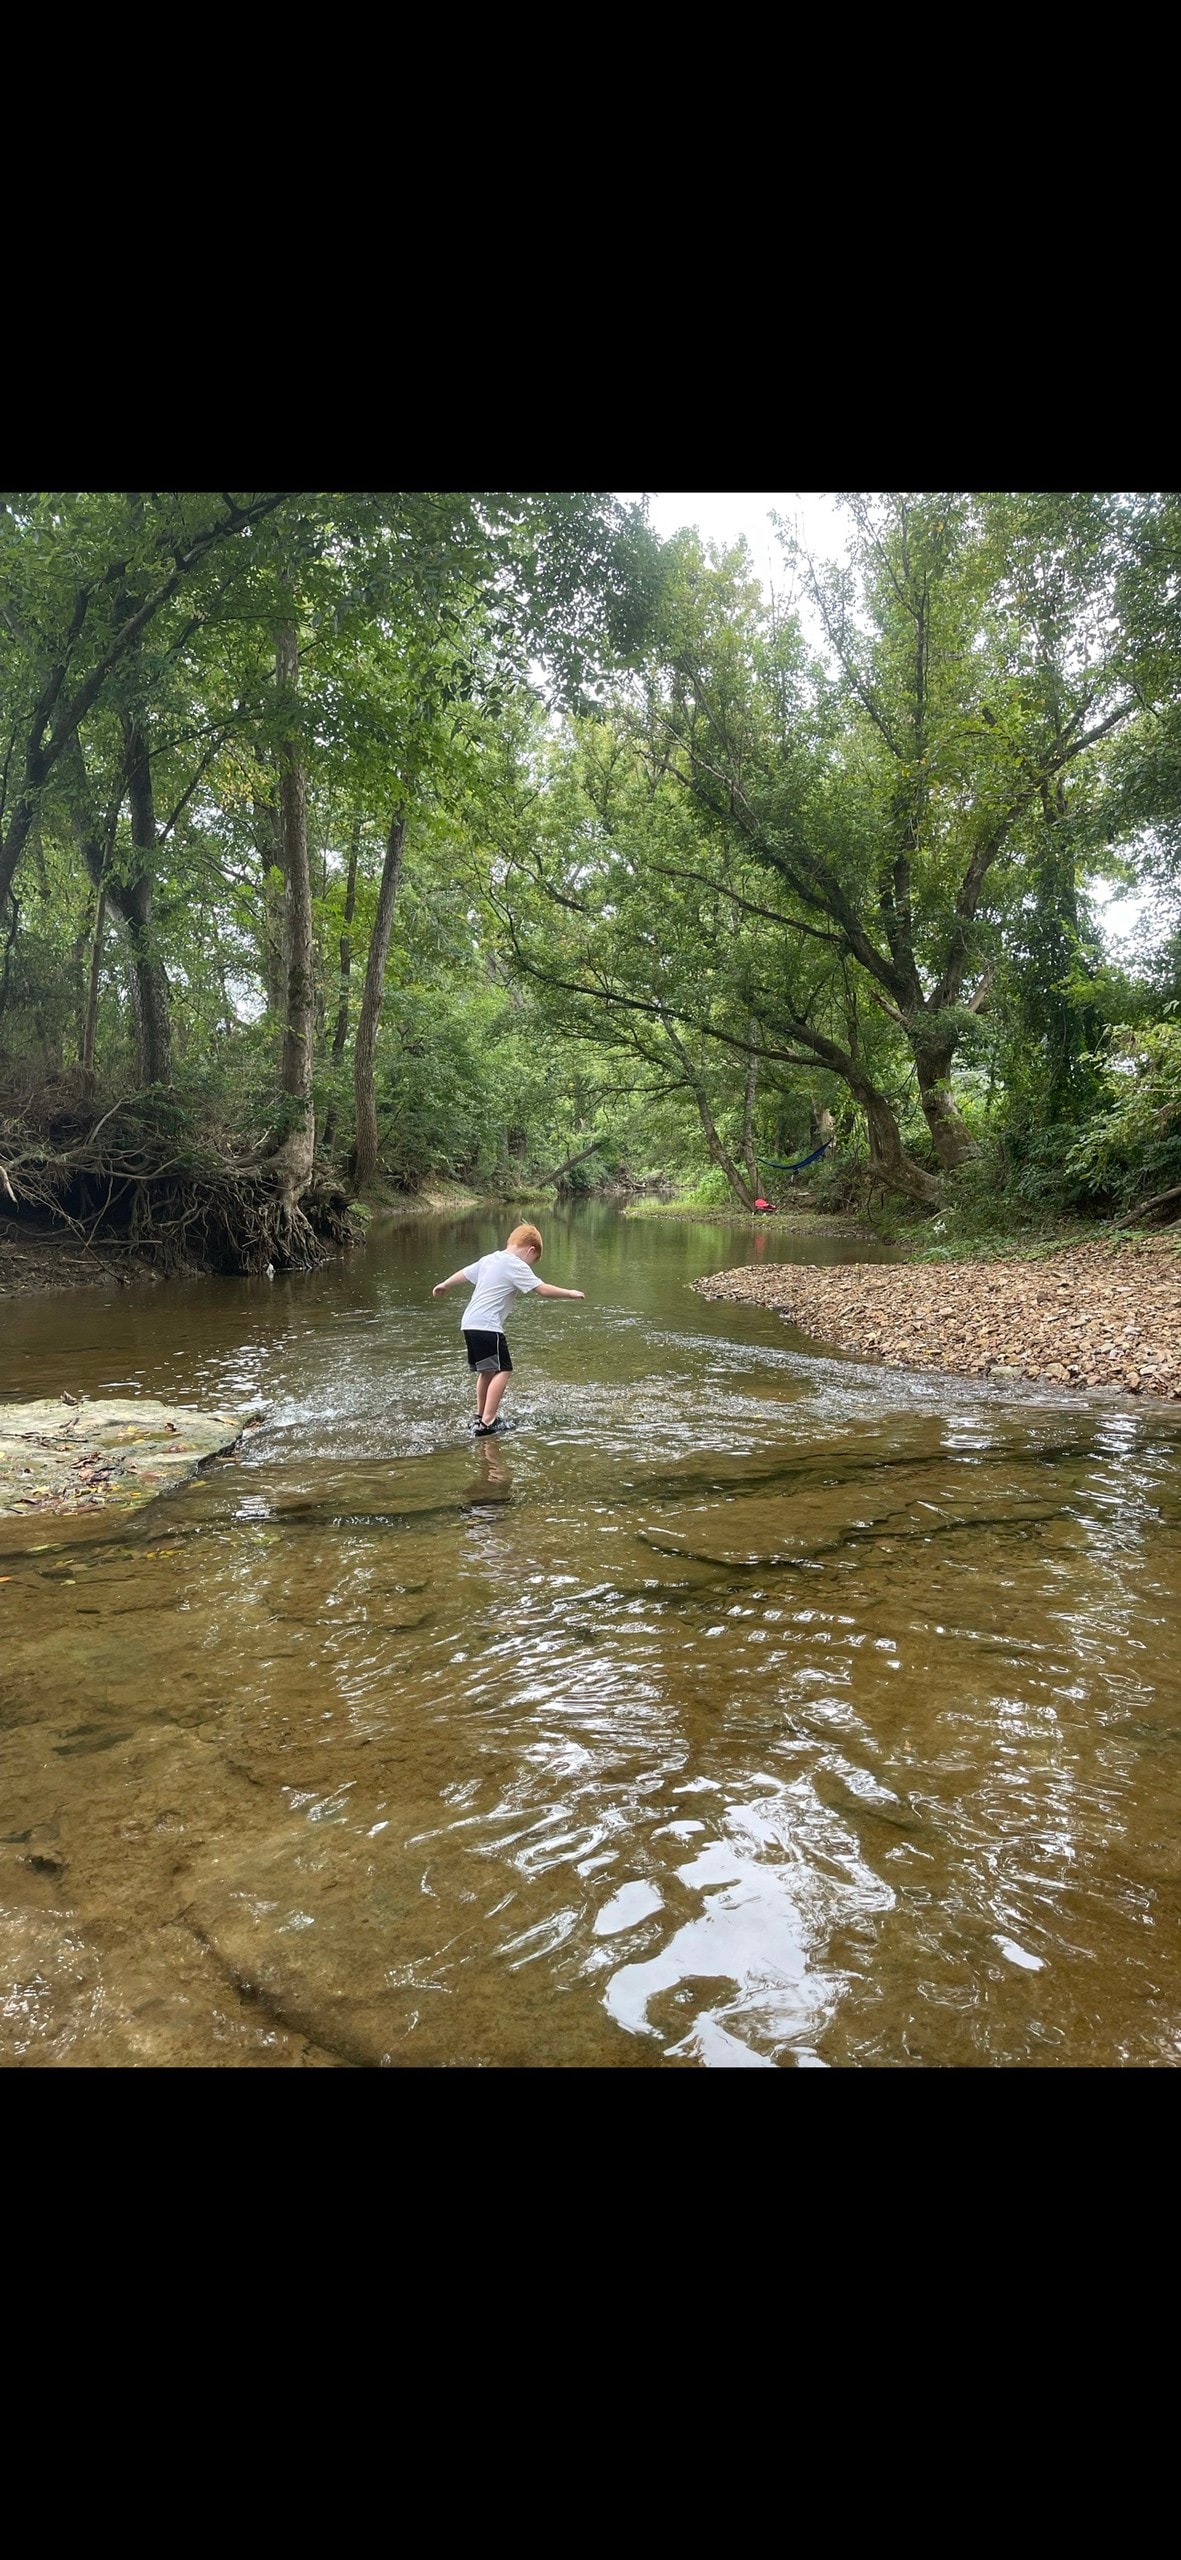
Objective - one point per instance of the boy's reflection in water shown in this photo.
(492, 1481)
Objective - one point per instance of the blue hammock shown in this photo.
(777, 1165)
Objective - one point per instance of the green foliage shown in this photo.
(710, 1191)
(999, 1204)
(458, 1091)
(745, 877)
(1132, 1147)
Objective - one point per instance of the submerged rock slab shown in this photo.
(60, 1459)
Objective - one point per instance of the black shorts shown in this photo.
(486, 1351)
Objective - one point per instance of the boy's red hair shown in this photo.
(526, 1235)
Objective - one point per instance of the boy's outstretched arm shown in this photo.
(546, 1289)
(452, 1283)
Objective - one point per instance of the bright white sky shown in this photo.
(722, 514)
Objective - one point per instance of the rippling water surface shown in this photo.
(739, 1706)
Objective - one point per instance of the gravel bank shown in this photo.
(1092, 1315)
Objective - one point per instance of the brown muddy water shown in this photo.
(740, 1706)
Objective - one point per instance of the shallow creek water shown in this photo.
(741, 1705)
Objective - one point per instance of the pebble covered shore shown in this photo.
(1092, 1315)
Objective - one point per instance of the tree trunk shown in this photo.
(365, 1174)
(341, 1033)
(1064, 1025)
(151, 1010)
(132, 900)
(90, 1025)
(18, 831)
(748, 1119)
(888, 1160)
(889, 1163)
(745, 1193)
(147, 983)
(293, 1151)
(96, 846)
(273, 916)
(951, 1138)
(719, 1153)
(1170, 1200)
(544, 1180)
(9, 946)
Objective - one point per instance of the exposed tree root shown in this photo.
(1163, 1208)
(173, 1202)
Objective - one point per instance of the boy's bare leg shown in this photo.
(495, 1387)
(483, 1382)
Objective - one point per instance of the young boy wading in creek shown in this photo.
(495, 1280)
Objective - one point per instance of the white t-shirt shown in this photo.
(497, 1278)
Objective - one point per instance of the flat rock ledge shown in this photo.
(1090, 1316)
(61, 1458)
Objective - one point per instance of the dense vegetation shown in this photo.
(349, 841)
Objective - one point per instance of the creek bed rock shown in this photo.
(60, 1459)
(1089, 1316)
